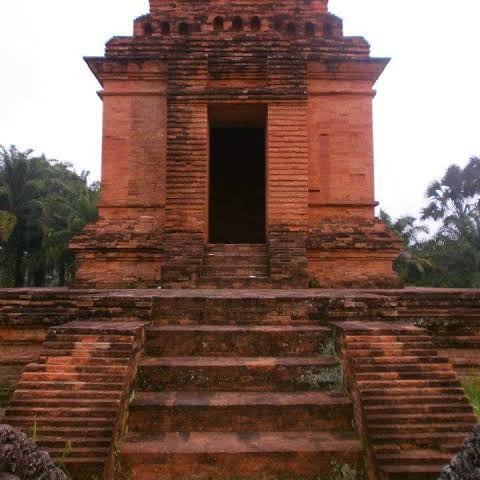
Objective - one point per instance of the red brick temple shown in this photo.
(237, 152)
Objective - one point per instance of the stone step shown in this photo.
(410, 407)
(375, 385)
(177, 456)
(391, 353)
(60, 412)
(466, 361)
(230, 270)
(114, 355)
(56, 442)
(415, 457)
(70, 431)
(413, 408)
(44, 424)
(113, 370)
(236, 248)
(81, 468)
(462, 425)
(239, 258)
(369, 339)
(85, 360)
(461, 341)
(429, 368)
(239, 412)
(79, 338)
(378, 419)
(397, 360)
(436, 440)
(88, 346)
(58, 402)
(234, 282)
(68, 385)
(408, 375)
(410, 472)
(79, 452)
(106, 378)
(394, 392)
(414, 399)
(388, 346)
(67, 394)
(376, 329)
(231, 340)
(120, 328)
(238, 373)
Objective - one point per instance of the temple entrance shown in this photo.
(237, 174)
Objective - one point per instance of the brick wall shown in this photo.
(287, 191)
(347, 247)
(158, 84)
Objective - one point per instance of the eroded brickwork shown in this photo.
(160, 86)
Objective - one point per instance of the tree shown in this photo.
(21, 187)
(455, 196)
(43, 204)
(409, 263)
(67, 209)
(455, 202)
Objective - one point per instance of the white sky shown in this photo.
(426, 113)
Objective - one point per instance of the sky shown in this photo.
(426, 112)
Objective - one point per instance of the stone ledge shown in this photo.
(358, 234)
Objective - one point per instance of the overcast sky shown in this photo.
(426, 113)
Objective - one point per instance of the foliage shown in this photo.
(451, 257)
(35, 432)
(43, 204)
(472, 389)
(61, 462)
(343, 471)
(408, 262)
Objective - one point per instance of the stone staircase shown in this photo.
(37, 307)
(461, 346)
(235, 266)
(238, 400)
(17, 348)
(74, 395)
(411, 408)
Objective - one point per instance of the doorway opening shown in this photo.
(237, 174)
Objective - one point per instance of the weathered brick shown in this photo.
(158, 87)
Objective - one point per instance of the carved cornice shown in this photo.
(368, 69)
(126, 68)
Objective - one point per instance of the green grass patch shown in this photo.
(472, 389)
(6, 391)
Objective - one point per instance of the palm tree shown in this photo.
(455, 196)
(65, 214)
(21, 186)
(455, 201)
(406, 227)
(411, 232)
(43, 204)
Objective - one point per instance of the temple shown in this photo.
(237, 152)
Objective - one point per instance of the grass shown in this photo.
(342, 471)
(6, 390)
(472, 388)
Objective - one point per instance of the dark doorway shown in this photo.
(237, 184)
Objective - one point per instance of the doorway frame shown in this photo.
(214, 111)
